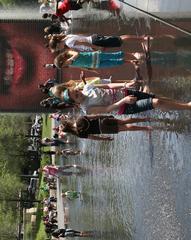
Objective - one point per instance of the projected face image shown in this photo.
(21, 65)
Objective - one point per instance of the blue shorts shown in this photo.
(143, 103)
(111, 59)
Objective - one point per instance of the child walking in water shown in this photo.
(88, 126)
(93, 60)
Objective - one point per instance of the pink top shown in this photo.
(122, 108)
(50, 170)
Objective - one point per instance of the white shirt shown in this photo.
(47, 8)
(71, 39)
(100, 97)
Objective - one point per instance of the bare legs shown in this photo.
(123, 124)
(133, 120)
(134, 58)
(132, 37)
(127, 127)
(169, 104)
(69, 166)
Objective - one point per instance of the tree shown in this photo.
(12, 141)
(10, 184)
(8, 223)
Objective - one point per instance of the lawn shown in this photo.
(46, 132)
(11, 3)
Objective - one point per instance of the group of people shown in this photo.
(95, 97)
(98, 96)
(60, 7)
(98, 100)
(50, 214)
(50, 175)
(50, 217)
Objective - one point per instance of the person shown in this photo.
(55, 28)
(57, 171)
(47, 85)
(54, 103)
(64, 152)
(71, 195)
(44, 188)
(50, 224)
(47, 6)
(52, 142)
(60, 134)
(114, 7)
(54, 18)
(111, 5)
(63, 232)
(57, 90)
(50, 181)
(82, 43)
(56, 116)
(94, 100)
(93, 60)
(47, 201)
(58, 101)
(68, 5)
(88, 126)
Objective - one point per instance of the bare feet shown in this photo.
(139, 56)
(146, 89)
(136, 62)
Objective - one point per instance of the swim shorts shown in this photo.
(106, 41)
(108, 125)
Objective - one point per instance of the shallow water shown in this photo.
(138, 186)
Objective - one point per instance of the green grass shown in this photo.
(40, 233)
(11, 3)
(46, 132)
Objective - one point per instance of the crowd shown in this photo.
(94, 97)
